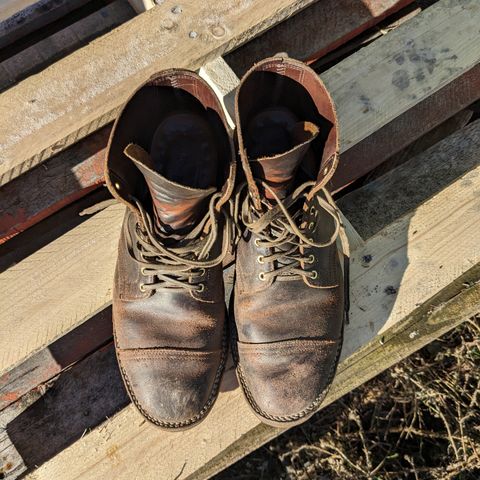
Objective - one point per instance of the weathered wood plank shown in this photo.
(438, 133)
(84, 91)
(18, 19)
(58, 292)
(415, 60)
(314, 32)
(381, 201)
(404, 291)
(61, 43)
(76, 401)
(399, 132)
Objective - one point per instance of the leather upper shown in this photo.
(170, 335)
(289, 326)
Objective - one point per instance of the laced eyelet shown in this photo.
(313, 274)
(142, 287)
(256, 242)
(311, 259)
(312, 210)
(207, 255)
(311, 225)
(260, 259)
(202, 272)
(143, 272)
(261, 276)
(201, 287)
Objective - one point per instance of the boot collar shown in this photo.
(308, 79)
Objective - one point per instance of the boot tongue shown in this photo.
(176, 207)
(278, 171)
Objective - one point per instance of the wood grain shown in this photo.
(58, 287)
(398, 133)
(43, 366)
(424, 257)
(59, 181)
(83, 92)
(415, 60)
(76, 401)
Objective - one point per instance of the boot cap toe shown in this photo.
(173, 389)
(285, 382)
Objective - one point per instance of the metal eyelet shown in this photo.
(143, 272)
(256, 242)
(261, 276)
(260, 259)
(311, 259)
(207, 255)
(142, 287)
(311, 225)
(201, 287)
(202, 272)
(312, 210)
(314, 274)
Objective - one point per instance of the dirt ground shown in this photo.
(419, 420)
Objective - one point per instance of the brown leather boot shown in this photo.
(289, 292)
(171, 161)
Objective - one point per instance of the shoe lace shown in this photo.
(179, 261)
(282, 232)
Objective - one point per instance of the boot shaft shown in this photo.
(171, 145)
(286, 122)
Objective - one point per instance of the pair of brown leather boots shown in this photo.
(171, 160)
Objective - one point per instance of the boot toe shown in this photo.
(285, 382)
(173, 389)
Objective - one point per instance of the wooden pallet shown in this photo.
(415, 259)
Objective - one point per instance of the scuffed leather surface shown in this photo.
(162, 389)
(284, 310)
(167, 318)
(285, 378)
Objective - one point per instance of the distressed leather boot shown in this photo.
(289, 297)
(171, 161)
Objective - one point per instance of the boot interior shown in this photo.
(270, 105)
(188, 143)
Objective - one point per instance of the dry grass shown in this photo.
(419, 420)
